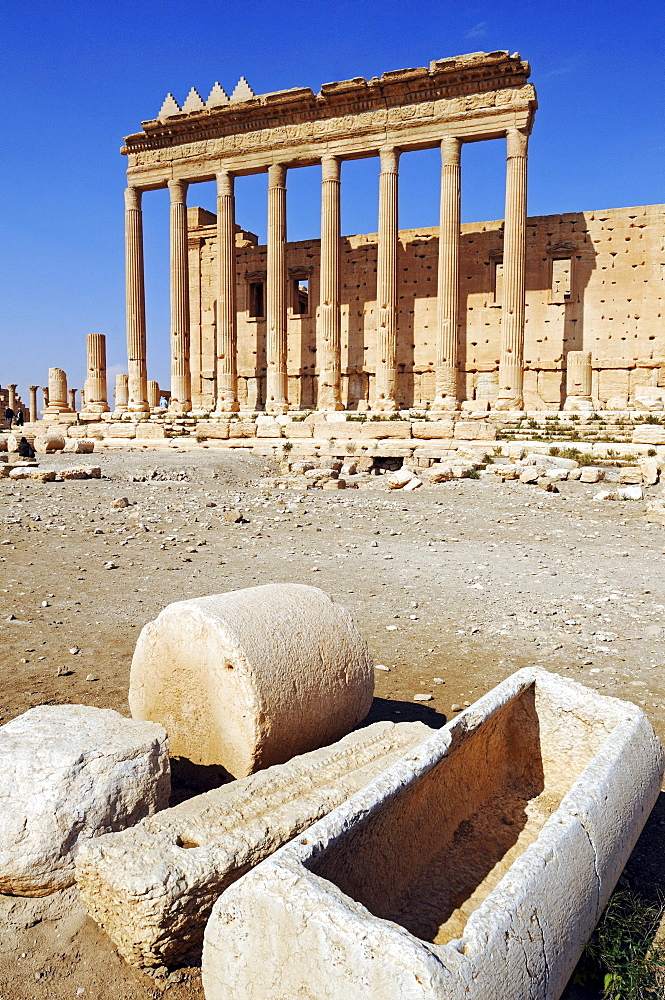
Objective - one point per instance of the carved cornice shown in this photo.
(300, 272)
(444, 79)
(255, 275)
(562, 249)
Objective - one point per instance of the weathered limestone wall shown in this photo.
(593, 282)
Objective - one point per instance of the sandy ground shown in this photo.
(454, 586)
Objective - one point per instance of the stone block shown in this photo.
(79, 446)
(334, 484)
(152, 431)
(152, 887)
(378, 429)
(428, 429)
(475, 430)
(249, 678)
(120, 429)
(81, 472)
(530, 475)
(68, 773)
(266, 427)
(38, 475)
(590, 474)
(398, 480)
(242, 429)
(476, 868)
(649, 434)
(630, 474)
(298, 429)
(337, 431)
(650, 469)
(46, 444)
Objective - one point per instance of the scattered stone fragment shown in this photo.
(67, 773)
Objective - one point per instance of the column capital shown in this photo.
(277, 175)
(133, 198)
(330, 167)
(225, 183)
(517, 142)
(33, 388)
(389, 156)
(178, 191)
(12, 385)
(451, 148)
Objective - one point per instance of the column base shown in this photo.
(277, 407)
(508, 403)
(175, 406)
(226, 406)
(582, 403)
(384, 405)
(446, 403)
(94, 409)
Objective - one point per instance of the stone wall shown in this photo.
(594, 282)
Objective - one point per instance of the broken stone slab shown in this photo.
(46, 444)
(152, 887)
(591, 474)
(68, 773)
(398, 480)
(439, 473)
(248, 679)
(81, 472)
(79, 446)
(38, 475)
(476, 867)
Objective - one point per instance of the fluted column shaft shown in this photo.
(45, 394)
(277, 382)
(122, 393)
(135, 294)
(72, 399)
(154, 395)
(181, 380)
(329, 339)
(511, 361)
(33, 402)
(95, 383)
(57, 389)
(227, 334)
(11, 396)
(448, 276)
(386, 284)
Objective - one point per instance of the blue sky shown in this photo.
(77, 76)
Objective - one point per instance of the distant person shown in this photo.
(9, 416)
(20, 419)
(25, 449)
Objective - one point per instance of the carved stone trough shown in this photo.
(475, 867)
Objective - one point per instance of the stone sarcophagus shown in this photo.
(476, 867)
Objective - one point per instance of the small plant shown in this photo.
(533, 424)
(287, 447)
(621, 958)
(358, 418)
(474, 474)
(651, 418)
(554, 450)
(652, 452)
(395, 416)
(351, 448)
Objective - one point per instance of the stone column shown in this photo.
(154, 395)
(72, 399)
(135, 292)
(181, 380)
(578, 381)
(386, 284)
(57, 392)
(227, 336)
(511, 363)
(45, 394)
(11, 398)
(33, 403)
(276, 382)
(448, 277)
(329, 340)
(95, 384)
(122, 393)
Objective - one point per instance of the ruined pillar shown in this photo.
(45, 394)
(511, 362)
(386, 284)
(72, 399)
(227, 335)
(135, 294)
(122, 393)
(57, 392)
(181, 381)
(578, 381)
(448, 277)
(95, 384)
(11, 397)
(276, 383)
(329, 325)
(154, 395)
(33, 403)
